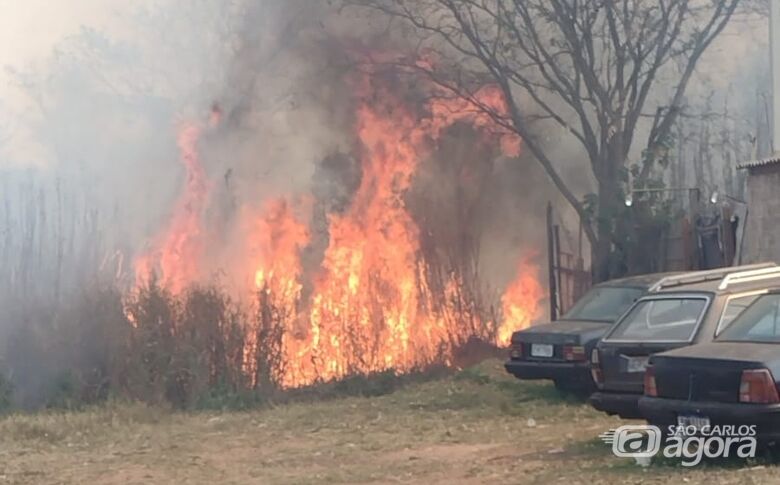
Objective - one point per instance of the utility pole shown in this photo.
(774, 52)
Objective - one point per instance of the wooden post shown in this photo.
(774, 49)
(562, 283)
(551, 251)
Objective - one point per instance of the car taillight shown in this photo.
(516, 351)
(650, 387)
(595, 368)
(574, 353)
(758, 386)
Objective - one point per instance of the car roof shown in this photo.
(728, 280)
(700, 287)
(727, 286)
(639, 281)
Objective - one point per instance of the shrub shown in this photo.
(6, 395)
(65, 392)
(197, 350)
(147, 371)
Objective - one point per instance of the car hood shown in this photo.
(562, 332)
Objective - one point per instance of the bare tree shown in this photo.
(597, 68)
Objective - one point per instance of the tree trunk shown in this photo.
(609, 182)
(602, 249)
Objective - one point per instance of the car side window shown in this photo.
(766, 328)
(760, 322)
(734, 306)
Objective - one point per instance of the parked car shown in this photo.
(730, 381)
(688, 309)
(559, 350)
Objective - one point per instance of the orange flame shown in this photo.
(521, 302)
(367, 307)
(365, 313)
(277, 239)
(174, 256)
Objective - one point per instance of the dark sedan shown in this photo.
(689, 309)
(559, 351)
(732, 381)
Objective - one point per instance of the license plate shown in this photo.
(636, 364)
(697, 422)
(541, 350)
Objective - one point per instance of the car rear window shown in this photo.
(661, 320)
(604, 303)
(760, 322)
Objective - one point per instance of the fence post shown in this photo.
(551, 251)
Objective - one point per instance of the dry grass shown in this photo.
(479, 426)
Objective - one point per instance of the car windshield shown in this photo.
(760, 322)
(604, 303)
(661, 320)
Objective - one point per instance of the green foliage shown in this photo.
(519, 392)
(590, 205)
(660, 155)
(6, 395)
(376, 384)
(473, 374)
(149, 372)
(222, 398)
(65, 392)
(186, 351)
(634, 234)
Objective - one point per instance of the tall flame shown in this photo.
(276, 240)
(520, 302)
(367, 307)
(174, 256)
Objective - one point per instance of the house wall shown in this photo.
(762, 236)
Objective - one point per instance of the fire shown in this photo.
(174, 256)
(366, 298)
(521, 302)
(367, 306)
(276, 240)
(447, 112)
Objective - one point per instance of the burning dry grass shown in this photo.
(477, 426)
(195, 350)
(374, 267)
(382, 273)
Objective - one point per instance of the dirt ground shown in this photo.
(478, 426)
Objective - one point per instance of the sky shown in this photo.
(151, 70)
(29, 29)
(41, 43)
(29, 32)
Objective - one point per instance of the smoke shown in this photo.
(93, 172)
(101, 115)
(94, 175)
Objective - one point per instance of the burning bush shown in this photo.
(182, 347)
(392, 278)
(376, 271)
